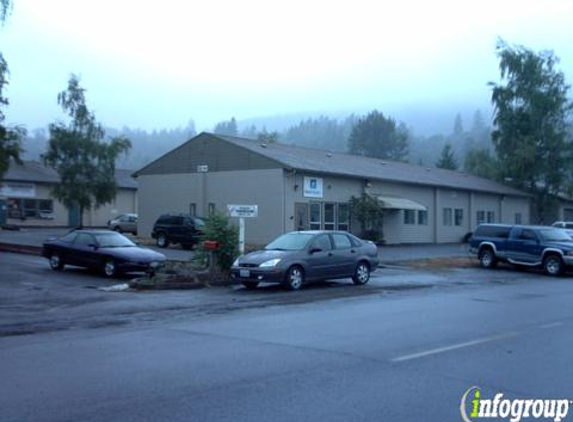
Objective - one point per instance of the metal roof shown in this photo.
(33, 171)
(342, 164)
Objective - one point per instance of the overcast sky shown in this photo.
(155, 64)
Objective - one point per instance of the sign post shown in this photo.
(242, 211)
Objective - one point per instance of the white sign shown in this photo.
(18, 190)
(243, 211)
(312, 187)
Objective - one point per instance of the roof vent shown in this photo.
(263, 145)
(329, 154)
(383, 162)
(428, 169)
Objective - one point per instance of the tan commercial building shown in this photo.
(26, 191)
(300, 188)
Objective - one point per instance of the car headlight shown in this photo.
(270, 263)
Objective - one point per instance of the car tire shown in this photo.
(118, 229)
(361, 273)
(294, 278)
(487, 258)
(187, 246)
(109, 268)
(162, 240)
(553, 265)
(56, 262)
(250, 285)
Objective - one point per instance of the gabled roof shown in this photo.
(33, 171)
(337, 163)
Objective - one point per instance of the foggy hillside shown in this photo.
(310, 130)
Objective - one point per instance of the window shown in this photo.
(343, 216)
(491, 217)
(211, 209)
(84, 239)
(447, 217)
(480, 217)
(459, 217)
(315, 216)
(528, 235)
(409, 217)
(30, 208)
(517, 218)
(341, 241)
(423, 217)
(322, 243)
(329, 221)
(193, 209)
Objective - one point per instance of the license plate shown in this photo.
(244, 273)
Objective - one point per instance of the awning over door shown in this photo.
(394, 203)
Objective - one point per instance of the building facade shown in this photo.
(300, 188)
(26, 193)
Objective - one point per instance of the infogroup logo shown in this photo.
(474, 407)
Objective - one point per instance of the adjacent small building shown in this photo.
(26, 191)
(301, 188)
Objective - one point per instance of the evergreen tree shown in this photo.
(447, 159)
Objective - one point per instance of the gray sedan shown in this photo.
(297, 257)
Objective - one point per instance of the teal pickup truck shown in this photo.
(527, 246)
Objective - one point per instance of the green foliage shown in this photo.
(218, 227)
(480, 162)
(227, 128)
(10, 138)
(84, 162)
(268, 137)
(379, 136)
(322, 132)
(367, 210)
(447, 159)
(531, 136)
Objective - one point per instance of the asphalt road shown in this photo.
(384, 354)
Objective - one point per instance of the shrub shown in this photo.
(219, 228)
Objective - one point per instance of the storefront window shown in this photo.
(315, 218)
(343, 217)
(329, 221)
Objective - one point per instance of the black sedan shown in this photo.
(104, 250)
(296, 257)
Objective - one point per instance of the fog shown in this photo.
(154, 65)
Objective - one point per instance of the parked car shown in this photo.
(178, 228)
(104, 250)
(124, 223)
(566, 225)
(527, 246)
(297, 257)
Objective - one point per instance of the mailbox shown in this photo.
(211, 245)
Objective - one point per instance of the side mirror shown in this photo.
(314, 250)
(93, 246)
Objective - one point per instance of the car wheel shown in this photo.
(56, 262)
(294, 278)
(553, 265)
(487, 258)
(162, 240)
(250, 285)
(118, 229)
(361, 274)
(109, 268)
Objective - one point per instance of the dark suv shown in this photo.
(177, 228)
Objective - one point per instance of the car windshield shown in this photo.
(290, 242)
(113, 240)
(555, 235)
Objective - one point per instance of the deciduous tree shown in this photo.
(530, 134)
(78, 152)
(378, 136)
